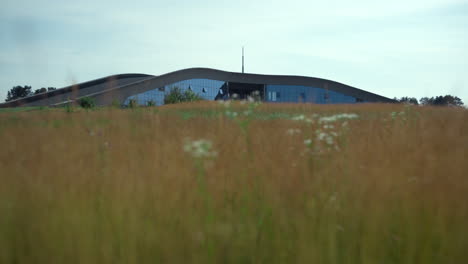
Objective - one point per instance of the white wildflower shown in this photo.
(394, 115)
(308, 142)
(226, 103)
(231, 114)
(201, 148)
(298, 118)
(334, 118)
(293, 131)
(321, 136)
(302, 118)
(247, 112)
(325, 119)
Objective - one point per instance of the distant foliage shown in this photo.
(447, 100)
(115, 103)
(44, 90)
(18, 92)
(87, 102)
(151, 103)
(177, 96)
(407, 100)
(132, 103)
(69, 108)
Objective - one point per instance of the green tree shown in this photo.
(132, 103)
(18, 92)
(447, 100)
(43, 90)
(177, 96)
(87, 102)
(407, 100)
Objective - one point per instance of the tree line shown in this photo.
(446, 100)
(24, 91)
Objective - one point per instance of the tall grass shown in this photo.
(116, 186)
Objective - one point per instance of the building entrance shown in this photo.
(243, 90)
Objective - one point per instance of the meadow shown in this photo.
(235, 183)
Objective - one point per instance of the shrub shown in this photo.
(68, 107)
(177, 96)
(132, 103)
(87, 102)
(151, 103)
(190, 96)
(115, 103)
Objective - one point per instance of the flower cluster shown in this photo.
(326, 136)
(252, 104)
(225, 103)
(231, 114)
(293, 131)
(395, 115)
(325, 140)
(338, 117)
(201, 148)
(308, 142)
(303, 118)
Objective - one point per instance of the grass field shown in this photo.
(213, 183)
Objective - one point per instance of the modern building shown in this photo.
(210, 84)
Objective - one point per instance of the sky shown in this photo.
(416, 48)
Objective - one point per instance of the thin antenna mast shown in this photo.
(242, 59)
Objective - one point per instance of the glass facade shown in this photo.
(207, 89)
(305, 94)
(210, 89)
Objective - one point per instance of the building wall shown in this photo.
(208, 89)
(305, 94)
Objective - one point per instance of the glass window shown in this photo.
(205, 88)
(210, 89)
(297, 93)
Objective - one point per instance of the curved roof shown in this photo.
(119, 87)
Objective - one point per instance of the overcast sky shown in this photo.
(393, 48)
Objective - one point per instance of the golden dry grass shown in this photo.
(115, 186)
